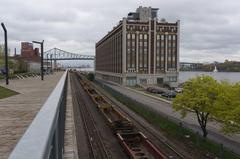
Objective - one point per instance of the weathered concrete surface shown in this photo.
(70, 141)
(17, 112)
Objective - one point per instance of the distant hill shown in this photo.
(227, 66)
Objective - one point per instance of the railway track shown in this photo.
(134, 142)
(169, 150)
(98, 149)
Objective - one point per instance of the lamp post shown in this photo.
(51, 63)
(6, 51)
(47, 64)
(41, 43)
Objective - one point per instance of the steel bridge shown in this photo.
(58, 54)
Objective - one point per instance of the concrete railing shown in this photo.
(44, 138)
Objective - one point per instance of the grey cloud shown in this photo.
(209, 29)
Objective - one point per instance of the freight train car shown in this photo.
(134, 142)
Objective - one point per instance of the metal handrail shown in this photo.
(44, 138)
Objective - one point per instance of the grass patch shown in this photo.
(4, 92)
(173, 129)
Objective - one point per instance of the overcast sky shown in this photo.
(210, 29)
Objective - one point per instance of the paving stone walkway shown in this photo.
(17, 112)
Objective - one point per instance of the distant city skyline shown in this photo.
(209, 29)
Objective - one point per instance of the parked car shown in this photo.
(149, 89)
(170, 94)
(154, 90)
(178, 90)
(159, 91)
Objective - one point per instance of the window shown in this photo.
(128, 36)
(173, 44)
(140, 36)
(172, 79)
(174, 37)
(145, 36)
(128, 43)
(133, 43)
(133, 36)
(173, 58)
(162, 37)
(128, 50)
(162, 43)
(145, 43)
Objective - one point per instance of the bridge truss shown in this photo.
(58, 54)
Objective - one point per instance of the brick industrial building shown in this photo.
(31, 56)
(28, 53)
(140, 50)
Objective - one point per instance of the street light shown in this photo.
(6, 51)
(51, 63)
(47, 64)
(41, 43)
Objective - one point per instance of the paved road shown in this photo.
(232, 142)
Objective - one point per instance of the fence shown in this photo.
(44, 139)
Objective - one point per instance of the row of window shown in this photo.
(133, 36)
(145, 28)
(134, 27)
(167, 29)
(158, 37)
(172, 79)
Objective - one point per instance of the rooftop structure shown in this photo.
(143, 14)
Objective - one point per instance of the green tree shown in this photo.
(199, 95)
(227, 107)
(1, 56)
(91, 76)
(21, 66)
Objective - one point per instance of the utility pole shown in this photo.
(6, 52)
(41, 43)
(51, 63)
(47, 64)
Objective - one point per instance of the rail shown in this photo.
(44, 138)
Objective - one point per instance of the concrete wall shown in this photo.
(131, 79)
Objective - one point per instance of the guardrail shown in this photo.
(44, 138)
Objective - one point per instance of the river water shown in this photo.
(232, 77)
